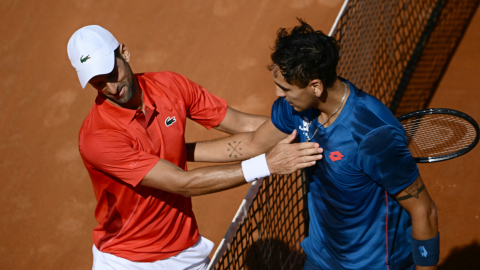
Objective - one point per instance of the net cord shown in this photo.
(237, 220)
(340, 14)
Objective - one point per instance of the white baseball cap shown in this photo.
(91, 51)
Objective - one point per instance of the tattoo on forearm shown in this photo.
(235, 150)
(413, 191)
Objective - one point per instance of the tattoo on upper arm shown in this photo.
(413, 191)
(235, 151)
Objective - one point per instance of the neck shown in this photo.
(332, 101)
(137, 97)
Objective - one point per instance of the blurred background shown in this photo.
(46, 198)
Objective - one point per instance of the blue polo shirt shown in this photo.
(355, 223)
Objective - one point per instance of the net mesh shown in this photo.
(420, 83)
(269, 237)
(395, 50)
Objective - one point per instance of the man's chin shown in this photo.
(298, 109)
(295, 107)
(120, 102)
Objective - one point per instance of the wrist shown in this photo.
(426, 252)
(255, 168)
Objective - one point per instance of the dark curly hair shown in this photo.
(304, 55)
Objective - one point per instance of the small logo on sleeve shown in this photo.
(169, 121)
(423, 251)
(335, 156)
(84, 59)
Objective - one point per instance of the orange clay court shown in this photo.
(47, 202)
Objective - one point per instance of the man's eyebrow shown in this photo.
(283, 88)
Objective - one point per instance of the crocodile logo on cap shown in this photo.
(84, 59)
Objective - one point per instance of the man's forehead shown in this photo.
(100, 77)
(278, 77)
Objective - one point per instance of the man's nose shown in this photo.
(279, 92)
(111, 88)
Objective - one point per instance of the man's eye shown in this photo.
(113, 75)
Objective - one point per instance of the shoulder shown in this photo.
(281, 107)
(165, 78)
(370, 116)
(286, 119)
(98, 133)
(170, 83)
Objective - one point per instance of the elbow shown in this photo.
(432, 213)
(183, 190)
(250, 128)
(186, 193)
(186, 188)
(426, 213)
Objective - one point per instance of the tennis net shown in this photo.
(395, 50)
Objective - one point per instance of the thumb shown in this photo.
(290, 137)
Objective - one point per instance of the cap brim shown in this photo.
(96, 66)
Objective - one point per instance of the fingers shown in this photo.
(305, 158)
(290, 137)
(298, 163)
(307, 145)
(304, 165)
(309, 151)
(287, 158)
(286, 163)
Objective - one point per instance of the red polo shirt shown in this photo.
(119, 147)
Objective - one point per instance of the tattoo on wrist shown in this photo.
(413, 191)
(235, 149)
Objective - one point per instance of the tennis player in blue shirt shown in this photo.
(368, 205)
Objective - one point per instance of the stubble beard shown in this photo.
(127, 95)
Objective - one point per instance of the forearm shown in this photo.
(424, 223)
(424, 227)
(229, 149)
(284, 158)
(417, 202)
(197, 182)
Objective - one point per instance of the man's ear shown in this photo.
(124, 52)
(317, 86)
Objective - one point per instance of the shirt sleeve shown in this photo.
(282, 116)
(385, 157)
(202, 107)
(114, 154)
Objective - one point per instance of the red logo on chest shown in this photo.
(335, 156)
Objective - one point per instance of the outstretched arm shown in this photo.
(237, 122)
(236, 147)
(417, 202)
(284, 158)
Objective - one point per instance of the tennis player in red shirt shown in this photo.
(132, 144)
